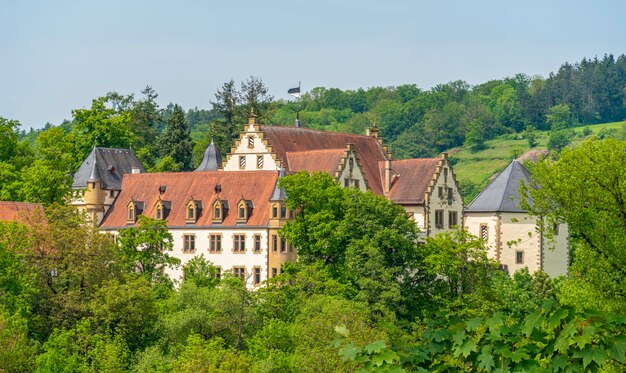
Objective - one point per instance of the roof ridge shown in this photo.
(487, 187)
(316, 130)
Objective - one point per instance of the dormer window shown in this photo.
(244, 208)
(219, 210)
(161, 208)
(134, 209)
(193, 207)
(275, 211)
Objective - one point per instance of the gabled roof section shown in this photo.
(503, 193)
(18, 211)
(109, 165)
(182, 186)
(211, 160)
(326, 160)
(293, 139)
(410, 179)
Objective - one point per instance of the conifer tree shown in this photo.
(175, 141)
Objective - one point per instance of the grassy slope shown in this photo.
(473, 170)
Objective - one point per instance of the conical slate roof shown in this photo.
(211, 160)
(503, 193)
(279, 193)
(107, 165)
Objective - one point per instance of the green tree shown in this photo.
(145, 249)
(361, 239)
(585, 189)
(255, 98)
(101, 125)
(559, 117)
(175, 141)
(531, 136)
(201, 272)
(474, 139)
(559, 139)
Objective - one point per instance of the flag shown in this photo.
(295, 92)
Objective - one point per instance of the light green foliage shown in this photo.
(474, 139)
(145, 248)
(559, 117)
(463, 273)
(201, 272)
(585, 188)
(199, 355)
(559, 139)
(103, 125)
(18, 351)
(531, 136)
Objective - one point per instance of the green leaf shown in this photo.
(342, 331)
(559, 363)
(485, 359)
(458, 337)
(532, 321)
(375, 347)
(555, 319)
(469, 347)
(385, 356)
(617, 350)
(349, 352)
(474, 324)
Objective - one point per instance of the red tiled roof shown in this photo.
(295, 139)
(410, 179)
(256, 186)
(18, 211)
(315, 160)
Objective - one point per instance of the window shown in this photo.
(257, 276)
(274, 211)
(289, 247)
(452, 219)
(242, 161)
(159, 213)
(445, 175)
(450, 195)
(250, 141)
(217, 211)
(242, 212)
(356, 183)
(274, 272)
(131, 213)
(439, 218)
(440, 192)
(283, 211)
(215, 243)
(259, 161)
(283, 245)
(274, 243)
(112, 193)
(519, 257)
(346, 182)
(189, 243)
(218, 272)
(192, 211)
(555, 228)
(240, 243)
(484, 232)
(257, 243)
(239, 272)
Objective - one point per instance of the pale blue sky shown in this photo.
(56, 56)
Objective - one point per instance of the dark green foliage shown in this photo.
(175, 142)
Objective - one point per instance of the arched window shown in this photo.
(192, 211)
(244, 208)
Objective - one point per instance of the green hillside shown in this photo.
(475, 169)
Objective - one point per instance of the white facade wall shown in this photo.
(473, 223)
(519, 233)
(556, 252)
(352, 173)
(226, 259)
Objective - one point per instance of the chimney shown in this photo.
(368, 132)
(387, 181)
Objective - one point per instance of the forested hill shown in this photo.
(414, 122)
(419, 123)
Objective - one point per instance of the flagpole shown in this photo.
(298, 104)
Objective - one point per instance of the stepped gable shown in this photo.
(294, 139)
(211, 160)
(315, 160)
(181, 187)
(503, 193)
(109, 164)
(18, 211)
(410, 179)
